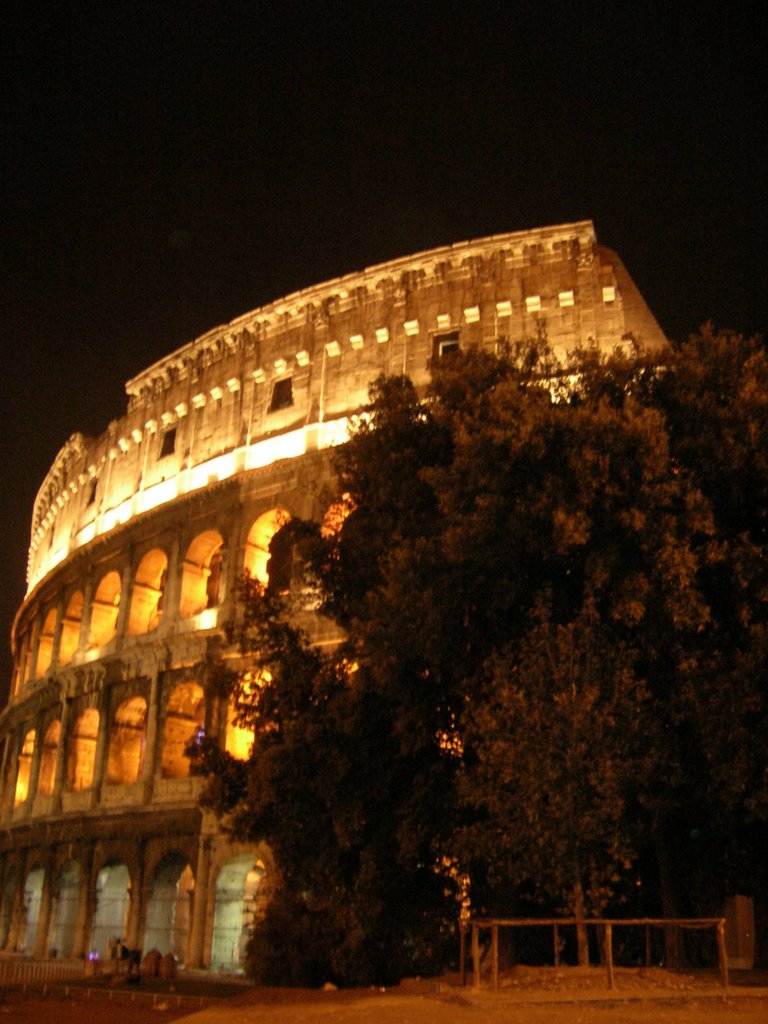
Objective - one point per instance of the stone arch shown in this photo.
(64, 909)
(33, 897)
(235, 907)
(126, 742)
(104, 609)
(24, 766)
(201, 574)
(168, 906)
(258, 547)
(45, 643)
(113, 893)
(239, 738)
(184, 718)
(48, 754)
(70, 628)
(81, 756)
(147, 595)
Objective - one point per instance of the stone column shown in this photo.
(34, 767)
(135, 900)
(40, 948)
(14, 746)
(34, 646)
(150, 739)
(100, 757)
(61, 755)
(86, 906)
(18, 913)
(85, 618)
(196, 957)
(123, 612)
(144, 893)
(56, 642)
(5, 773)
(172, 589)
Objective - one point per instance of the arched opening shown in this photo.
(147, 597)
(112, 898)
(235, 906)
(6, 906)
(238, 740)
(168, 910)
(45, 643)
(126, 742)
(184, 719)
(201, 574)
(81, 755)
(258, 556)
(64, 910)
(70, 628)
(24, 768)
(33, 895)
(48, 753)
(104, 609)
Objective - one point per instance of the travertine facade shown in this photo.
(139, 538)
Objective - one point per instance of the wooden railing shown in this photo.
(474, 926)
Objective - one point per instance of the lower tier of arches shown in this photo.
(167, 881)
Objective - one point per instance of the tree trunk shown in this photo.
(582, 940)
(669, 907)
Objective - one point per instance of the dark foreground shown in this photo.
(526, 997)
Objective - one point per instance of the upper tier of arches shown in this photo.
(175, 584)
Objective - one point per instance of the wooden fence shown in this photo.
(605, 927)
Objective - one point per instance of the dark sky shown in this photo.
(170, 165)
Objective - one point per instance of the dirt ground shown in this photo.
(525, 997)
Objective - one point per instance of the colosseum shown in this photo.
(139, 538)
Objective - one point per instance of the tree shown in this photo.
(558, 750)
(551, 584)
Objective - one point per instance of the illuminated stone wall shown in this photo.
(139, 538)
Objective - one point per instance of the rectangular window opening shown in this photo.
(444, 344)
(282, 394)
(168, 446)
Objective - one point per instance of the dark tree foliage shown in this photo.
(552, 582)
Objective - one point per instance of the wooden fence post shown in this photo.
(609, 953)
(722, 953)
(476, 955)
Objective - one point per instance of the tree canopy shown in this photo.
(551, 580)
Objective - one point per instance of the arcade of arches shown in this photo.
(75, 624)
(102, 763)
(198, 904)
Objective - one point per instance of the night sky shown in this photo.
(169, 166)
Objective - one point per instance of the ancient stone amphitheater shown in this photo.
(139, 538)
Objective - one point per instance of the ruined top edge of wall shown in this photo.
(227, 337)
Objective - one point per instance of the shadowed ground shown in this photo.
(526, 996)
